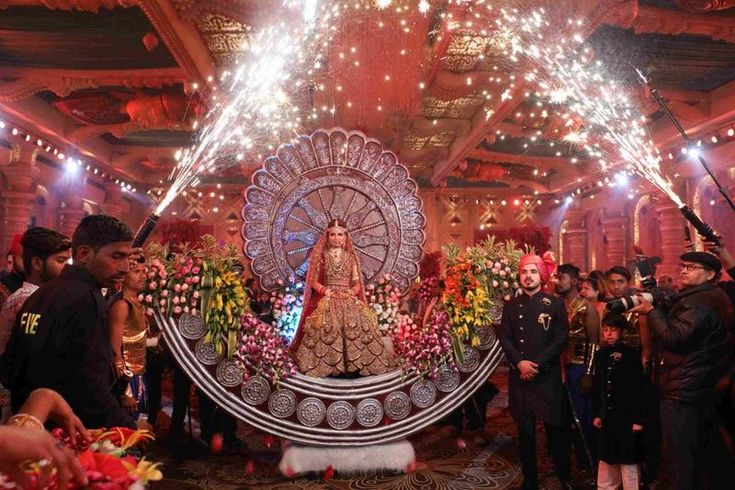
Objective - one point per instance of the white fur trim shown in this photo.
(396, 456)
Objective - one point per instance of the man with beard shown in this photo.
(584, 329)
(12, 279)
(61, 336)
(45, 253)
(533, 334)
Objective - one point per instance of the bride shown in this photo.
(338, 333)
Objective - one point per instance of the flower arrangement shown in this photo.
(426, 289)
(111, 461)
(424, 349)
(263, 351)
(287, 303)
(478, 280)
(198, 281)
(384, 298)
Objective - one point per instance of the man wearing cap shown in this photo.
(533, 334)
(694, 346)
(45, 252)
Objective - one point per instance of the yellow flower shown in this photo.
(475, 341)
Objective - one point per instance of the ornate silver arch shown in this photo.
(329, 411)
(333, 174)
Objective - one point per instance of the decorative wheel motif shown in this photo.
(311, 411)
(495, 312)
(192, 327)
(397, 405)
(447, 379)
(471, 360)
(487, 337)
(423, 393)
(229, 373)
(256, 390)
(282, 403)
(340, 415)
(207, 353)
(369, 412)
(333, 174)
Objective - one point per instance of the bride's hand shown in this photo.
(328, 293)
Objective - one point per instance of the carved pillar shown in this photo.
(114, 205)
(672, 224)
(17, 199)
(71, 208)
(575, 240)
(614, 229)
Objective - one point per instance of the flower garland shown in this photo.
(423, 350)
(384, 299)
(263, 351)
(111, 461)
(287, 303)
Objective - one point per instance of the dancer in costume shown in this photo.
(338, 333)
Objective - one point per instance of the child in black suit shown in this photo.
(618, 407)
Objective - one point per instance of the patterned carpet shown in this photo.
(445, 465)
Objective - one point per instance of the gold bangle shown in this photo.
(25, 421)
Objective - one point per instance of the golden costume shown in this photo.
(339, 332)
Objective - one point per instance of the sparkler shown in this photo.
(567, 77)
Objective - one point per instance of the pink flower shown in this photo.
(185, 286)
(164, 293)
(161, 282)
(177, 310)
(177, 287)
(149, 298)
(382, 281)
(149, 311)
(195, 279)
(193, 311)
(195, 270)
(152, 285)
(176, 300)
(195, 294)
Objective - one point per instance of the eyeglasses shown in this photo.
(690, 267)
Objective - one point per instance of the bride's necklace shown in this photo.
(336, 259)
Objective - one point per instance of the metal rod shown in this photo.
(662, 103)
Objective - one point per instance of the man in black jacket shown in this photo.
(533, 334)
(694, 345)
(61, 338)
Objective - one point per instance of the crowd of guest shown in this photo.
(639, 381)
(619, 376)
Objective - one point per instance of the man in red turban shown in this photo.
(533, 335)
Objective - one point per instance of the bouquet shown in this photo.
(478, 281)
(263, 351)
(384, 298)
(426, 289)
(424, 349)
(111, 461)
(287, 302)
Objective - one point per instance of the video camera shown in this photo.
(646, 267)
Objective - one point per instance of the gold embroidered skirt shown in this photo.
(342, 336)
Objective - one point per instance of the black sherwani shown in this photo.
(523, 337)
(618, 399)
(535, 328)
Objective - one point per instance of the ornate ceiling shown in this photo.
(119, 81)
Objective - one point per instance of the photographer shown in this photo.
(694, 346)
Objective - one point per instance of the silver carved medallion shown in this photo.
(423, 393)
(229, 373)
(311, 411)
(447, 379)
(206, 352)
(191, 327)
(369, 412)
(256, 390)
(487, 337)
(333, 174)
(471, 360)
(397, 405)
(282, 403)
(340, 414)
(495, 312)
